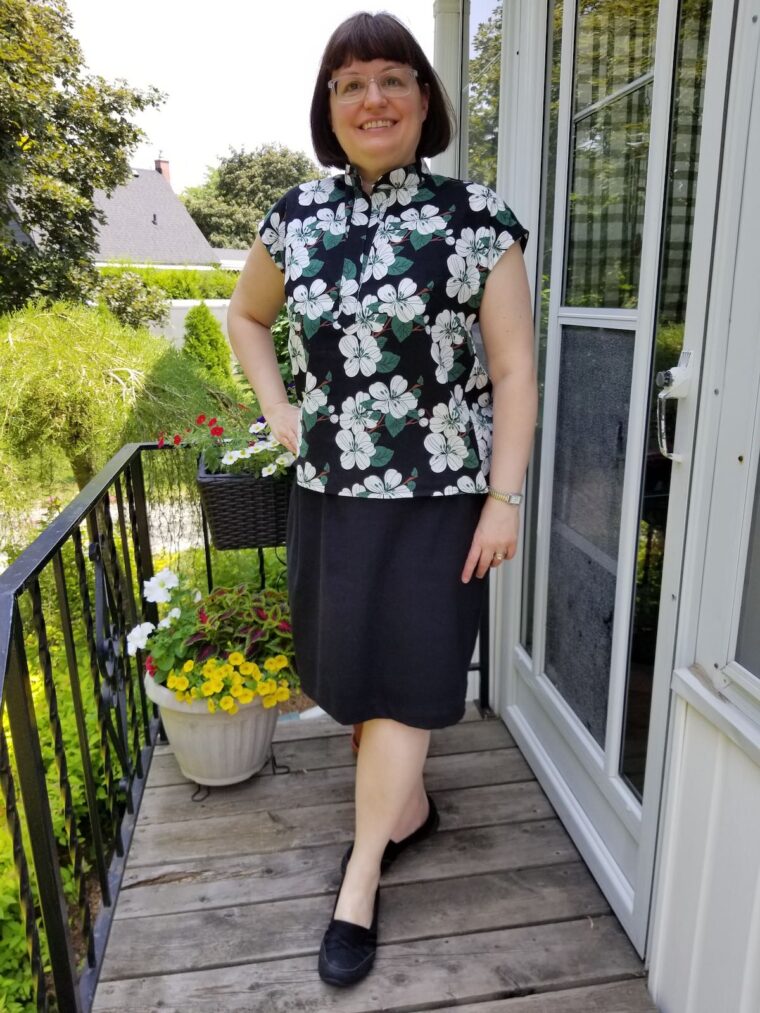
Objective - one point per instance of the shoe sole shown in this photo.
(347, 979)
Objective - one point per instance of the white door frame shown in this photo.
(614, 833)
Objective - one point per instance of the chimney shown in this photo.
(162, 166)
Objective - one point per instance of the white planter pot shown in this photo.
(217, 748)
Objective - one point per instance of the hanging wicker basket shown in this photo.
(245, 511)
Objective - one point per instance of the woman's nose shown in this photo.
(374, 94)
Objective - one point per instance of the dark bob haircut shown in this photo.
(375, 37)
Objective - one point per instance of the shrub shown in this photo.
(206, 344)
(132, 300)
(181, 284)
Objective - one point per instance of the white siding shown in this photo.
(706, 939)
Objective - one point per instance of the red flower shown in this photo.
(177, 440)
(284, 626)
(200, 420)
(150, 666)
(217, 430)
(160, 441)
(212, 422)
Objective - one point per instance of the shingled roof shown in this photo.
(148, 223)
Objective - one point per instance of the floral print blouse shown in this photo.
(383, 293)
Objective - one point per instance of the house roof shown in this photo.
(148, 223)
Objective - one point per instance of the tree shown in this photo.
(483, 106)
(63, 135)
(206, 344)
(236, 195)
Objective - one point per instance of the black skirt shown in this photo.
(383, 626)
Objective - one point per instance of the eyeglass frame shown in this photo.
(331, 84)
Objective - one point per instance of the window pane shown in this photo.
(748, 644)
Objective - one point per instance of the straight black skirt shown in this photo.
(383, 626)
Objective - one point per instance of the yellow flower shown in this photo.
(224, 671)
(209, 667)
(181, 682)
(188, 666)
(211, 705)
(236, 658)
(227, 703)
(195, 692)
(269, 701)
(271, 686)
(248, 668)
(283, 682)
(171, 682)
(283, 693)
(245, 696)
(208, 688)
(276, 663)
(236, 691)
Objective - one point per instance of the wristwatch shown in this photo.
(506, 497)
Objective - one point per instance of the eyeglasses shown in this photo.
(392, 83)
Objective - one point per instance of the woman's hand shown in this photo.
(283, 423)
(496, 533)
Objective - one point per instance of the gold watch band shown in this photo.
(506, 497)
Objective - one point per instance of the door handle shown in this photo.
(675, 385)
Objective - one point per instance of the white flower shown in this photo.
(450, 326)
(348, 303)
(403, 187)
(357, 449)
(315, 302)
(359, 213)
(483, 197)
(426, 222)
(313, 396)
(231, 456)
(273, 235)
(466, 484)
(257, 427)
(380, 258)
(317, 190)
(446, 451)
(366, 318)
(356, 413)
(171, 616)
(464, 280)
(270, 469)
(332, 221)
(297, 352)
(5, 560)
(395, 400)
(445, 420)
(306, 476)
(296, 262)
(403, 304)
(138, 638)
(443, 356)
(362, 354)
(478, 376)
(285, 459)
(303, 231)
(389, 487)
(158, 587)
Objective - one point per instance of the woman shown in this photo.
(386, 270)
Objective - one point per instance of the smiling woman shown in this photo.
(386, 269)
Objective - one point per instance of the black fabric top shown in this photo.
(383, 294)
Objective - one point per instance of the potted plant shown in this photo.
(217, 665)
(244, 479)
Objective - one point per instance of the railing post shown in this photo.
(34, 792)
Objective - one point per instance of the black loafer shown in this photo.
(347, 952)
(394, 848)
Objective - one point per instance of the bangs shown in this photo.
(366, 37)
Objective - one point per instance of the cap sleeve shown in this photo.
(272, 232)
(491, 211)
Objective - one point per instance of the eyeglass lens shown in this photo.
(353, 87)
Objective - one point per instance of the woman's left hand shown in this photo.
(495, 538)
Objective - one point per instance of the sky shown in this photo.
(237, 73)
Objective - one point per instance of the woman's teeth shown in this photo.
(373, 124)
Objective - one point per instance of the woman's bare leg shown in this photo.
(390, 797)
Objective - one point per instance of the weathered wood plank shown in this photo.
(220, 882)
(173, 804)
(291, 928)
(335, 751)
(613, 997)
(279, 828)
(412, 975)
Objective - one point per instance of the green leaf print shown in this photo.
(394, 425)
(310, 327)
(402, 329)
(381, 456)
(418, 240)
(315, 266)
(349, 269)
(456, 371)
(308, 419)
(471, 461)
(331, 240)
(422, 194)
(401, 264)
(388, 362)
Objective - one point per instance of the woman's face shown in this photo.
(378, 133)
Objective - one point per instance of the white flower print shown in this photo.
(297, 352)
(395, 399)
(498, 246)
(332, 221)
(451, 326)
(317, 190)
(450, 419)
(302, 231)
(306, 476)
(443, 356)
(481, 416)
(347, 301)
(273, 235)
(426, 221)
(356, 413)
(446, 451)
(478, 377)
(390, 486)
(465, 278)
(380, 258)
(362, 354)
(403, 303)
(357, 449)
(296, 262)
(314, 303)
(403, 187)
(313, 396)
(366, 320)
(483, 197)
(359, 212)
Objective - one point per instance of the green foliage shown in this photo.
(75, 379)
(483, 107)
(63, 135)
(133, 301)
(236, 195)
(206, 344)
(176, 284)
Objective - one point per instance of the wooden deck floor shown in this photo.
(225, 900)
